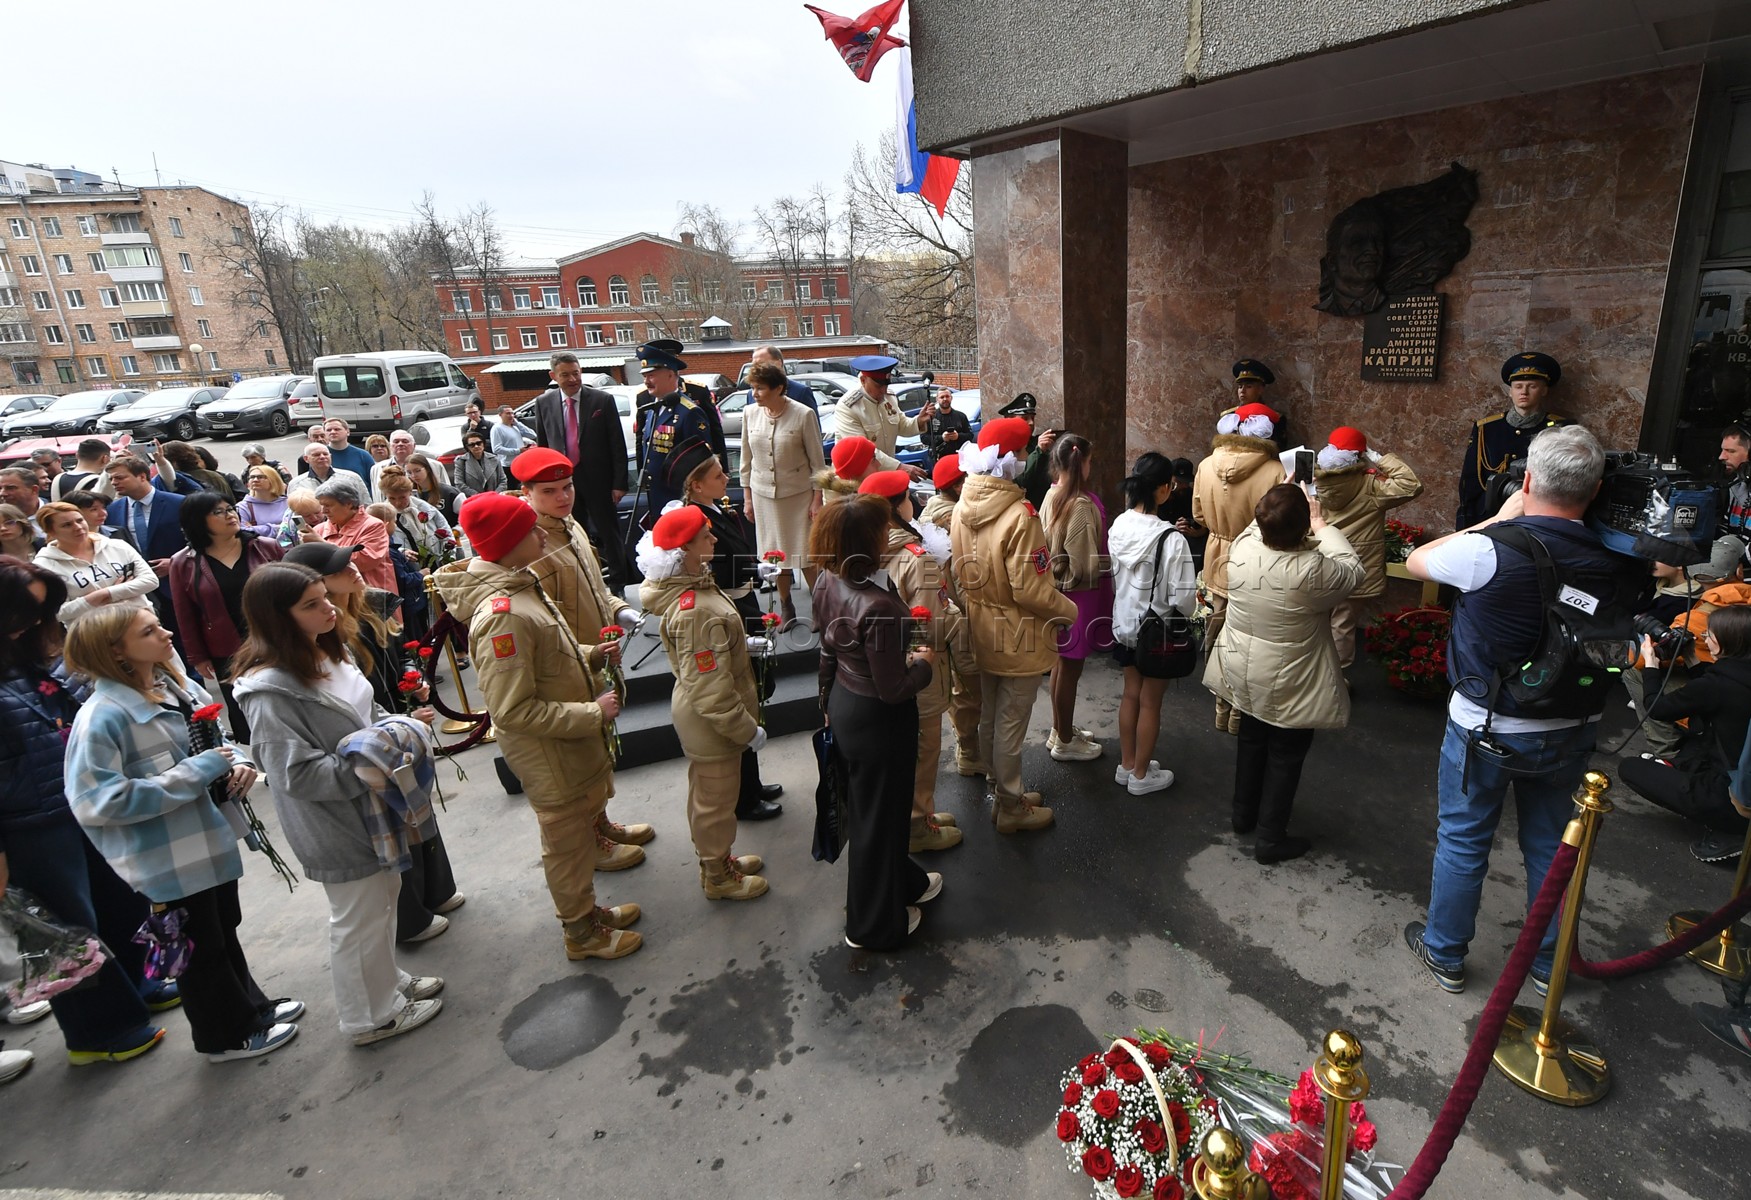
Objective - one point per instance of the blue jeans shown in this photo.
(1467, 819)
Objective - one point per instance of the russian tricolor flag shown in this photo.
(932, 176)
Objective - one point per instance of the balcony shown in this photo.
(169, 341)
(8, 279)
(126, 239)
(136, 274)
(146, 308)
(19, 349)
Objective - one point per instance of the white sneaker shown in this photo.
(1156, 781)
(264, 1041)
(14, 1063)
(423, 987)
(24, 1014)
(934, 890)
(1122, 773)
(417, 1013)
(455, 902)
(1077, 749)
(437, 927)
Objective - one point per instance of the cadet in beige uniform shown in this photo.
(966, 697)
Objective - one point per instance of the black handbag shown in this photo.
(832, 808)
(1167, 647)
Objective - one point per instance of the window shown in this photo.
(97, 368)
(109, 297)
(131, 256)
(43, 301)
(780, 327)
(86, 334)
(461, 302)
(30, 264)
(10, 298)
(750, 291)
(167, 364)
(64, 264)
(421, 377)
(51, 227)
(683, 291)
(550, 297)
(363, 382)
(144, 291)
(501, 340)
(829, 288)
(118, 330)
(495, 300)
(592, 336)
(96, 261)
(64, 371)
(125, 223)
(15, 332)
(618, 293)
(236, 235)
(469, 342)
(187, 262)
(205, 327)
(648, 291)
(195, 298)
(803, 289)
(586, 292)
(830, 325)
(714, 292)
(520, 299)
(531, 339)
(130, 365)
(556, 337)
(88, 226)
(775, 289)
(153, 327)
(176, 227)
(213, 359)
(808, 326)
(26, 372)
(261, 328)
(687, 332)
(19, 226)
(75, 298)
(269, 356)
(623, 335)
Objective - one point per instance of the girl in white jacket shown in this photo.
(1137, 538)
(98, 570)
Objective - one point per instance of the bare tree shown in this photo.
(468, 252)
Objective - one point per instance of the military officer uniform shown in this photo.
(882, 422)
(670, 423)
(1502, 437)
(644, 402)
(1035, 477)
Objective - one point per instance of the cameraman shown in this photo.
(1499, 620)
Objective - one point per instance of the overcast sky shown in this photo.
(577, 122)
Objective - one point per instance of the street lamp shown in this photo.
(194, 348)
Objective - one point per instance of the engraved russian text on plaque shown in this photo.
(1402, 338)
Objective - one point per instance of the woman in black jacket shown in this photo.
(1717, 703)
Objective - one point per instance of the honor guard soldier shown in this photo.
(1251, 378)
(645, 401)
(672, 420)
(1500, 438)
(1035, 477)
(868, 411)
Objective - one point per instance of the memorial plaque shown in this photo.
(1402, 338)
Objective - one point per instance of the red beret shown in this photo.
(1257, 410)
(946, 471)
(1346, 438)
(1008, 434)
(540, 464)
(495, 523)
(889, 484)
(852, 456)
(678, 526)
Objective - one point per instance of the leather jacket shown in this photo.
(863, 640)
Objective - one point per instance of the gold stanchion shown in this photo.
(1221, 1173)
(1729, 955)
(1541, 1052)
(452, 727)
(1340, 1076)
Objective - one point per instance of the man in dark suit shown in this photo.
(583, 424)
(152, 517)
(801, 392)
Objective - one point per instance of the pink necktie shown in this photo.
(571, 429)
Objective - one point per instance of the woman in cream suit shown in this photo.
(781, 451)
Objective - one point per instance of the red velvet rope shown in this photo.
(447, 626)
(1668, 950)
(1439, 1144)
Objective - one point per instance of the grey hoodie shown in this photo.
(295, 729)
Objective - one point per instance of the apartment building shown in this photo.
(135, 286)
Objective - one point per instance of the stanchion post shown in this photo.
(1729, 954)
(1340, 1076)
(452, 727)
(1540, 1051)
(1221, 1173)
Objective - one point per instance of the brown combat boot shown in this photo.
(618, 917)
(625, 835)
(1021, 816)
(603, 942)
(1224, 713)
(616, 856)
(722, 880)
(928, 834)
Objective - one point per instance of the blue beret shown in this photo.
(654, 358)
(874, 364)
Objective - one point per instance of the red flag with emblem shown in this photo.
(861, 41)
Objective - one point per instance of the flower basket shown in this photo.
(1411, 644)
(1129, 1120)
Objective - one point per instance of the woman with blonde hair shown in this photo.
(377, 446)
(262, 510)
(421, 526)
(148, 807)
(1076, 546)
(17, 537)
(97, 570)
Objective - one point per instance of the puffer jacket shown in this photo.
(536, 678)
(1356, 500)
(939, 510)
(832, 487)
(1274, 658)
(715, 704)
(1132, 542)
(572, 579)
(921, 580)
(1005, 573)
(36, 715)
(1228, 486)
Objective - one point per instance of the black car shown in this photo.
(168, 413)
(257, 406)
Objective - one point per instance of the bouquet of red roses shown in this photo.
(1412, 645)
(1401, 539)
(1130, 1119)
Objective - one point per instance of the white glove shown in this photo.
(759, 646)
(1372, 456)
(759, 739)
(768, 571)
(629, 619)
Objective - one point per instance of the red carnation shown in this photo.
(1068, 1126)
(207, 712)
(920, 613)
(1182, 1123)
(426, 651)
(1098, 1162)
(49, 687)
(1092, 1074)
(1153, 1136)
(773, 556)
(1168, 1188)
(611, 633)
(1129, 1072)
(1106, 1103)
(1073, 1095)
(1365, 1136)
(1128, 1180)
(770, 620)
(1157, 1054)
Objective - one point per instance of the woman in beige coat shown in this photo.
(781, 451)
(1274, 660)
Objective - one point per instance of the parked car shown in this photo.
(67, 447)
(258, 406)
(17, 404)
(718, 385)
(390, 389)
(166, 413)
(730, 410)
(76, 412)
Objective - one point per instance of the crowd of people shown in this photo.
(134, 591)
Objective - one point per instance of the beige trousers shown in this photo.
(712, 788)
(568, 857)
(964, 712)
(1003, 720)
(929, 764)
(1345, 618)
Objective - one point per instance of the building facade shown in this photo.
(1161, 210)
(125, 287)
